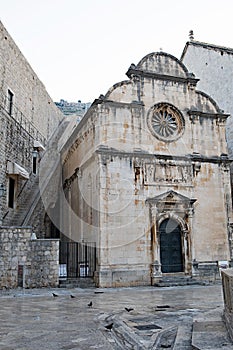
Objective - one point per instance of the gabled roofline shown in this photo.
(214, 47)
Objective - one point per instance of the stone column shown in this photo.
(191, 266)
(194, 120)
(225, 172)
(155, 266)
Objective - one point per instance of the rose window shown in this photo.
(165, 122)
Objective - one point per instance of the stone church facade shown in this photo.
(146, 177)
(141, 188)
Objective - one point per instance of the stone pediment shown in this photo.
(171, 197)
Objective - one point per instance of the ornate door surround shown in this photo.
(174, 206)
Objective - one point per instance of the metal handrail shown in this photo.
(14, 112)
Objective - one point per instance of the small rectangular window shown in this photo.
(10, 101)
(34, 165)
(11, 194)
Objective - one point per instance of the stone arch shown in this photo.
(184, 232)
(157, 62)
(174, 216)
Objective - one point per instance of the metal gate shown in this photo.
(170, 246)
(77, 259)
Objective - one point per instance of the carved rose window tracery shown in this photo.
(165, 122)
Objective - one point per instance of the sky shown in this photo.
(80, 48)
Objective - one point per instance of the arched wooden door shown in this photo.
(170, 246)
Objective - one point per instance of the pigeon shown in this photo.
(109, 326)
(72, 296)
(166, 346)
(163, 306)
(129, 309)
(90, 304)
(55, 295)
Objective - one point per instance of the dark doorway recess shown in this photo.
(170, 246)
(11, 195)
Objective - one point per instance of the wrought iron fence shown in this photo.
(77, 259)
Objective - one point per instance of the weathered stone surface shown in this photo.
(28, 116)
(27, 263)
(209, 62)
(35, 319)
(127, 170)
(227, 282)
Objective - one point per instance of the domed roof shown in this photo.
(163, 64)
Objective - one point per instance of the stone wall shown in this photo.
(28, 117)
(27, 262)
(29, 93)
(227, 282)
(213, 65)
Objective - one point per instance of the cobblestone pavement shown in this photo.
(180, 318)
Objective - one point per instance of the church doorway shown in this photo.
(171, 257)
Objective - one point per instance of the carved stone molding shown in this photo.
(168, 172)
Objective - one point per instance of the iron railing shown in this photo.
(14, 112)
(77, 259)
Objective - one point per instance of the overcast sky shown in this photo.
(80, 48)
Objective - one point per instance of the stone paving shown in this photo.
(178, 318)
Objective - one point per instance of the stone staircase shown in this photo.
(86, 282)
(170, 281)
(31, 192)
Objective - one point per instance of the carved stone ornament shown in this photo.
(165, 122)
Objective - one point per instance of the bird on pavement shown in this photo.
(90, 304)
(129, 309)
(55, 295)
(163, 306)
(109, 326)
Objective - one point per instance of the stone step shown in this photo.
(183, 337)
(177, 281)
(30, 192)
(210, 335)
(85, 282)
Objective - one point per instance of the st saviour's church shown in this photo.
(147, 175)
(136, 191)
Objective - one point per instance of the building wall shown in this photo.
(213, 65)
(32, 117)
(30, 96)
(227, 284)
(137, 177)
(27, 262)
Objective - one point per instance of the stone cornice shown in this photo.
(222, 116)
(195, 157)
(134, 72)
(119, 103)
